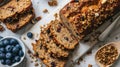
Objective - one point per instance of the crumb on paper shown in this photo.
(53, 3)
(31, 61)
(89, 65)
(36, 64)
(38, 18)
(89, 52)
(24, 38)
(56, 15)
(29, 52)
(45, 11)
(1, 28)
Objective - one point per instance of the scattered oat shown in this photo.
(45, 11)
(53, 3)
(1, 28)
(36, 64)
(89, 65)
(107, 55)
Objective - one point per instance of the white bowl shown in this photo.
(21, 44)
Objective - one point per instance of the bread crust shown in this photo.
(84, 16)
(13, 8)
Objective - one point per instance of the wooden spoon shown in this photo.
(116, 45)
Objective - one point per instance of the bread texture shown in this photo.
(86, 15)
(44, 55)
(48, 41)
(62, 35)
(13, 8)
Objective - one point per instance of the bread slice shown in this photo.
(13, 8)
(21, 22)
(54, 49)
(44, 55)
(62, 35)
(84, 16)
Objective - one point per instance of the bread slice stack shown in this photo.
(78, 19)
(16, 14)
(57, 41)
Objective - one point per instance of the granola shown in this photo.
(107, 55)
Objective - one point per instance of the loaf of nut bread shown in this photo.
(84, 16)
(13, 8)
(62, 35)
(21, 21)
(44, 55)
(48, 41)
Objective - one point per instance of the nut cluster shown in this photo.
(107, 55)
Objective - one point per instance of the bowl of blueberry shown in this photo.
(12, 51)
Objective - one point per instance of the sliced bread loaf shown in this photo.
(44, 55)
(13, 8)
(21, 22)
(62, 35)
(53, 48)
(84, 16)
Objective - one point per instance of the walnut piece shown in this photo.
(45, 11)
(53, 3)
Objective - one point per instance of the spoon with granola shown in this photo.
(107, 54)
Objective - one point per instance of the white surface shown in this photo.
(39, 6)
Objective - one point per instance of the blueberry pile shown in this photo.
(10, 51)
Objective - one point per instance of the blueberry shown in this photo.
(8, 55)
(13, 41)
(2, 55)
(3, 61)
(21, 53)
(8, 62)
(30, 35)
(6, 42)
(18, 46)
(15, 50)
(2, 49)
(17, 58)
(1, 44)
(8, 48)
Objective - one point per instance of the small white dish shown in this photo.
(23, 48)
